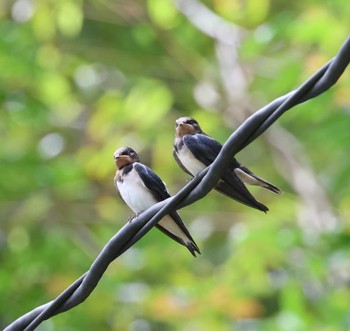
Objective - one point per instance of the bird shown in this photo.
(194, 150)
(140, 188)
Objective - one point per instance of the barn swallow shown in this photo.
(140, 188)
(194, 151)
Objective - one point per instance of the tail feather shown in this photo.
(189, 244)
(250, 178)
(268, 185)
(193, 248)
(174, 228)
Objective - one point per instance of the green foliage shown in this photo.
(81, 78)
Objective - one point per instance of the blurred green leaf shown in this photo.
(81, 78)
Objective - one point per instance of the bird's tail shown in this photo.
(250, 178)
(268, 186)
(174, 228)
(193, 248)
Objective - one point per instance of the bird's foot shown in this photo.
(134, 216)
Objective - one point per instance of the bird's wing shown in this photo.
(153, 183)
(158, 189)
(233, 187)
(204, 148)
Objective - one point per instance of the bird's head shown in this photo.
(186, 125)
(124, 156)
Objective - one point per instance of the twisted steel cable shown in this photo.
(196, 189)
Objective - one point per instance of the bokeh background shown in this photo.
(80, 78)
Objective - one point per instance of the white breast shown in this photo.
(135, 193)
(189, 161)
(139, 198)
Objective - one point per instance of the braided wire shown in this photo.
(196, 189)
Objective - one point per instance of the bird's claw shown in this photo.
(134, 216)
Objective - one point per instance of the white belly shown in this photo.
(135, 193)
(138, 198)
(189, 161)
